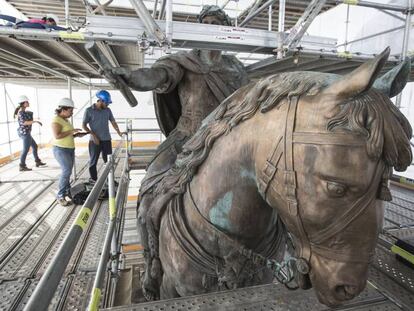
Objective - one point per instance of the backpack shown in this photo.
(80, 192)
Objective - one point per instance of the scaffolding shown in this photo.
(272, 29)
(71, 58)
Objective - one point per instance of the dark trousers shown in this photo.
(105, 146)
(28, 142)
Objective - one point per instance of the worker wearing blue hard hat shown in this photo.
(96, 122)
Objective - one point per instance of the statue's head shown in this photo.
(213, 14)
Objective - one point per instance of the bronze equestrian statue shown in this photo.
(187, 86)
(300, 159)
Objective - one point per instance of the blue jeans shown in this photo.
(28, 142)
(65, 158)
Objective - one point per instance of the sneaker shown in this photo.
(62, 202)
(69, 200)
(24, 168)
(91, 181)
(40, 163)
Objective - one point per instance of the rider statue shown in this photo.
(187, 86)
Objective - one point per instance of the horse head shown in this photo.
(322, 159)
(327, 169)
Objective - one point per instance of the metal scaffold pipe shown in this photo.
(148, 21)
(369, 4)
(67, 13)
(154, 10)
(257, 12)
(44, 291)
(169, 21)
(7, 119)
(109, 238)
(281, 28)
(406, 38)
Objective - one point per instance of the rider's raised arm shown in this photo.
(163, 77)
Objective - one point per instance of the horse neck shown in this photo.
(224, 190)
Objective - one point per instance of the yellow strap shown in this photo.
(83, 216)
(403, 253)
(112, 208)
(345, 54)
(71, 35)
(407, 181)
(351, 2)
(95, 299)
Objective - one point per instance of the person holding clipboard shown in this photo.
(64, 147)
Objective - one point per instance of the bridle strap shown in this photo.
(284, 147)
(289, 176)
(316, 138)
(342, 256)
(270, 168)
(351, 214)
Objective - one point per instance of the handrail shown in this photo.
(110, 247)
(44, 291)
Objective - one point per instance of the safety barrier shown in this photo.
(43, 293)
(110, 246)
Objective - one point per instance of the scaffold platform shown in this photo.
(33, 226)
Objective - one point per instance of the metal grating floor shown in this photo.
(34, 233)
(31, 238)
(390, 285)
(265, 297)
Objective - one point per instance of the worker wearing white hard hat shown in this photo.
(50, 19)
(25, 121)
(64, 147)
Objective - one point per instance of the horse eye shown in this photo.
(335, 189)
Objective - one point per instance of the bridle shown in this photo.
(281, 159)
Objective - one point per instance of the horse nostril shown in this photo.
(346, 292)
(352, 290)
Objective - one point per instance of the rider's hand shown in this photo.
(120, 71)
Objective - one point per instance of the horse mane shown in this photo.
(243, 104)
(370, 114)
(387, 131)
(374, 116)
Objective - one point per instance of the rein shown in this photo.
(283, 271)
(281, 159)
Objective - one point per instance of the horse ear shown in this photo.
(360, 79)
(393, 82)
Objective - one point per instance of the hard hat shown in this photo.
(104, 96)
(54, 17)
(66, 102)
(22, 99)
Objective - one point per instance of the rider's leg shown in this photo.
(150, 285)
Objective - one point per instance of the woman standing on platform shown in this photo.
(25, 120)
(64, 147)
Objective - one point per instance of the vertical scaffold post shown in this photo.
(7, 119)
(346, 28)
(38, 113)
(67, 13)
(169, 24)
(71, 120)
(281, 28)
(112, 215)
(406, 39)
(269, 26)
